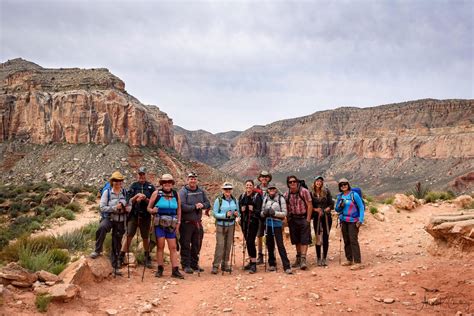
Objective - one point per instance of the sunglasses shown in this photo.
(167, 182)
(343, 184)
(292, 181)
(117, 180)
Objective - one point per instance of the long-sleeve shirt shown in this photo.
(353, 208)
(189, 198)
(220, 211)
(277, 203)
(108, 204)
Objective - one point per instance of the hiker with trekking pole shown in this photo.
(263, 178)
(166, 207)
(250, 207)
(350, 207)
(225, 211)
(114, 209)
(138, 196)
(193, 201)
(322, 219)
(274, 212)
(300, 207)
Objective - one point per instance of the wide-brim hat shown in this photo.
(265, 174)
(227, 185)
(166, 177)
(116, 175)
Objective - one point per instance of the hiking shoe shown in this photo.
(297, 262)
(117, 272)
(260, 258)
(357, 266)
(159, 272)
(227, 269)
(197, 269)
(248, 266)
(214, 270)
(347, 263)
(253, 268)
(272, 268)
(188, 270)
(319, 262)
(303, 265)
(323, 263)
(148, 263)
(121, 260)
(94, 255)
(176, 274)
(288, 271)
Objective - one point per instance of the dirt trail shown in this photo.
(397, 266)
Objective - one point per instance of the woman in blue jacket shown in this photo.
(351, 209)
(225, 210)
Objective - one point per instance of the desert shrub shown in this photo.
(42, 302)
(19, 207)
(419, 191)
(34, 225)
(369, 198)
(4, 239)
(38, 197)
(435, 196)
(60, 211)
(43, 210)
(75, 240)
(373, 210)
(389, 200)
(74, 206)
(42, 186)
(53, 260)
(37, 244)
(73, 189)
(92, 198)
(59, 255)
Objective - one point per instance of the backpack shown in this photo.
(161, 194)
(220, 200)
(279, 199)
(301, 184)
(359, 192)
(106, 186)
(123, 191)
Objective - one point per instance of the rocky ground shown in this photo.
(400, 277)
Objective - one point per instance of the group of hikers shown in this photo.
(175, 218)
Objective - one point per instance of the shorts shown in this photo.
(167, 233)
(142, 223)
(300, 231)
(261, 227)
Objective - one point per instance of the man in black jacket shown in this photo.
(193, 201)
(139, 195)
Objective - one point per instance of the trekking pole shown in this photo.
(274, 240)
(340, 242)
(128, 245)
(149, 242)
(266, 249)
(232, 255)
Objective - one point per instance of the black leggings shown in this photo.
(275, 234)
(326, 229)
(250, 230)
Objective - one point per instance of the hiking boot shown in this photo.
(197, 269)
(94, 255)
(357, 266)
(176, 274)
(248, 266)
(319, 262)
(117, 272)
(159, 272)
(297, 262)
(347, 263)
(121, 259)
(303, 265)
(253, 268)
(272, 268)
(214, 270)
(260, 259)
(288, 271)
(227, 269)
(323, 263)
(188, 270)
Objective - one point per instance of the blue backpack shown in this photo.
(359, 192)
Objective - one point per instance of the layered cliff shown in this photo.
(386, 147)
(75, 106)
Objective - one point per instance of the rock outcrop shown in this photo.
(75, 106)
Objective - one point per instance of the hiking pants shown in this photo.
(224, 239)
(325, 230)
(118, 229)
(250, 228)
(276, 233)
(350, 234)
(190, 240)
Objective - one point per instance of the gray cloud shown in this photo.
(221, 65)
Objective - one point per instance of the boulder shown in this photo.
(64, 292)
(454, 230)
(100, 267)
(403, 202)
(46, 276)
(16, 275)
(463, 201)
(386, 209)
(56, 196)
(130, 259)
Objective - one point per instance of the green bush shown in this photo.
(369, 198)
(60, 211)
(389, 200)
(42, 302)
(41, 187)
(79, 239)
(59, 255)
(74, 206)
(53, 261)
(43, 210)
(373, 210)
(19, 207)
(92, 198)
(432, 197)
(37, 245)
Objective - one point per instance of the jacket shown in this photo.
(350, 207)
(255, 200)
(220, 211)
(108, 205)
(322, 203)
(278, 205)
(189, 199)
(139, 208)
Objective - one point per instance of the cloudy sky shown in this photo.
(228, 65)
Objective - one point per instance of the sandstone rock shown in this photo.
(227, 309)
(56, 196)
(313, 296)
(16, 275)
(146, 308)
(100, 267)
(463, 201)
(455, 230)
(46, 276)
(379, 216)
(64, 292)
(388, 300)
(387, 209)
(111, 311)
(403, 202)
(434, 301)
(130, 259)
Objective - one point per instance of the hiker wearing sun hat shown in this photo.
(264, 178)
(351, 209)
(225, 211)
(114, 209)
(165, 205)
